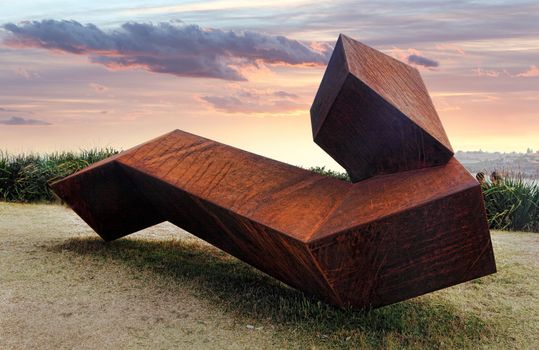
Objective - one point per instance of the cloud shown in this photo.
(98, 87)
(26, 73)
(8, 110)
(285, 94)
(255, 101)
(414, 57)
(479, 72)
(533, 71)
(450, 47)
(22, 121)
(402, 23)
(167, 47)
(422, 61)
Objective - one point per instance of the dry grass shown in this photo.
(61, 287)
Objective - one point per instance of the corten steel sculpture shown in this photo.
(413, 221)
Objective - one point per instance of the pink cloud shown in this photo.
(451, 47)
(26, 73)
(533, 71)
(479, 72)
(98, 87)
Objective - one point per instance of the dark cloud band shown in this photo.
(22, 121)
(422, 61)
(169, 47)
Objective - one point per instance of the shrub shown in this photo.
(512, 204)
(25, 177)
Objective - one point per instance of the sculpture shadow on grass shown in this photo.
(244, 291)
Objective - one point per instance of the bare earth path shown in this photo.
(63, 288)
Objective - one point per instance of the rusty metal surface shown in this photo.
(374, 116)
(417, 228)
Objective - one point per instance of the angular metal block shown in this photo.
(374, 116)
(367, 244)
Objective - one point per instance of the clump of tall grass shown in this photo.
(512, 204)
(25, 177)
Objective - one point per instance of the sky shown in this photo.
(83, 74)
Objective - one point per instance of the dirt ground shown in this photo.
(52, 297)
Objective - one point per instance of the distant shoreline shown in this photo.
(524, 165)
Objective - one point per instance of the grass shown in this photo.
(25, 177)
(162, 288)
(512, 204)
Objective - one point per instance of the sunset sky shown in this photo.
(82, 74)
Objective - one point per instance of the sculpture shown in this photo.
(413, 221)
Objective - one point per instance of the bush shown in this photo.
(512, 204)
(25, 178)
